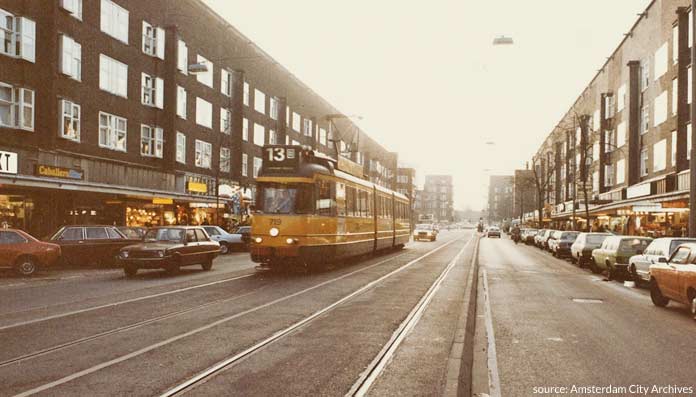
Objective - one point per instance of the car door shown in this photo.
(71, 240)
(98, 248)
(205, 245)
(668, 274)
(191, 247)
(642, 262)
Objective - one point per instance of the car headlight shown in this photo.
(124, 254)
(160, 254)
(258, 240)
(274, 232)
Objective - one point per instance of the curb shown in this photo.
(460, 362)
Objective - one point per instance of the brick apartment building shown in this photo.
(140, 112)
(436, 199)
(500, 199)
(625, 139)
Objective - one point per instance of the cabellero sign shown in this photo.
(59, 172)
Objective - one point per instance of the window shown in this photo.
(644, 162)
(114, 20)
(608, 175)
(296, 121)
(257, 166)
(609, 106)
(620, 171)
(272, 137)
(225, 82)
(675, 96)
(322, 136)
(11, 238)
(225, 121)
(246, 93)
(660, 155)
(245, 164)
(153, 40)
(70, 120)
(181, 102)
(595, 122)
(204, 154)
(70, 57)
(688, 141)
(245, 130)
(620, 138)
(674, 148)
(661, 61)
(225, 158)
(17, 36)
(259, 101)
(152, 91)
(96, 233)
(675, 43)
(182, 57)
(287, 115)
(660, 109)
(205, 78)
(113, 76)
(112, 132)
(595, 182)
(688, 85)
(151, 141)
(259, 134)
(644, 74)
(204, 113)
(645, 119)
(307, 127)
(180, 148)
(595, 151)
(73, 7)
(621, 98)
(274, 108)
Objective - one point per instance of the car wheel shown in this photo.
(26, 266)
(634, 276)
(611, 274)
(130, 271)
(656, 296)
(224, 249)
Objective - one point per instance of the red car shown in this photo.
(24, 253)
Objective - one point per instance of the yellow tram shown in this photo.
(312, 210)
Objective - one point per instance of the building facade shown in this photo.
(144, 113)
(500, 198)
(436, 199)
(618, 159)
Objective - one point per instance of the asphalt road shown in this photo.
(94, 332)
(556, 327)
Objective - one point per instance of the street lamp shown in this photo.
(503, 40)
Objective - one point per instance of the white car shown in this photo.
(227, 240)
(493, 231)
(425, 231)
(658, 251)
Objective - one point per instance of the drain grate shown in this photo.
(587, 300)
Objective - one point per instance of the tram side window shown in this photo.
(326, 205)
(364, 208)
(341, 199)
(350, 201)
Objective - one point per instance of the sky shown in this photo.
(426, 79)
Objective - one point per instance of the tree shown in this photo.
(542, 181)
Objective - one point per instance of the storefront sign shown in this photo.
(8, 163)
(158, 200)
(206, 205)
(59, 172)
(638, 190)
(197, 187)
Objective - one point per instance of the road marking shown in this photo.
(493, 377)
(587, 300)
(123, 302)
(379, 363)
(555, 339)
(225, 363)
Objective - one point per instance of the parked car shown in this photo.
(657, 252)
(493, 231)
(245, 231)
(227, 240)
(528, 236)
(544, 240)
(132, 232)
(614, 253)
(537, 239)
(551, 242)
(25, 254)
(562, 242)
(675, 279)
(581, 249)
(90, 245)
(169, 248)
(424, 231)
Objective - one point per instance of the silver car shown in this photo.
(227, 240)
(657, 252)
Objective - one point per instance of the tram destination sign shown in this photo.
(281, 159)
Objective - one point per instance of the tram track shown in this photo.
(221, 366)
(172, 339)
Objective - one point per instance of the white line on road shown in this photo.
(89, 309)
(493, 377)
(225, 363)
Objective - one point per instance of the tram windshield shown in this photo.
(286, 199)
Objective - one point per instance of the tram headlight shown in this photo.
(258, 240)
(274, 232)
(291, 241)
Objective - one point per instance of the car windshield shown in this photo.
(285, 198)
(165, 234)
(424, 226)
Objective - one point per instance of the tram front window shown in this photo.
(287, 199)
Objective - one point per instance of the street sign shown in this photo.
(8, 163)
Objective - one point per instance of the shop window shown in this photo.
(16, 107)
(151, 141)
(70, 121)
(112, 132)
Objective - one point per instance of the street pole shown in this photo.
(692, 162)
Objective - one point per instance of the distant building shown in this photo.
(436, 198)
(500, 197)
(523, 193)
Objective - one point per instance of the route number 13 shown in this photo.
(276, 154)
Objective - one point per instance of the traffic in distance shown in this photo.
(666, 265)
